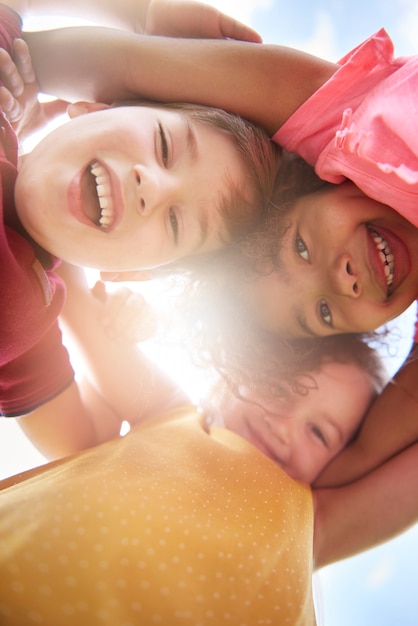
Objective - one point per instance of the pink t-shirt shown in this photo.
(362, 125)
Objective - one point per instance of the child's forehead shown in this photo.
(340, 369)
(147, 110)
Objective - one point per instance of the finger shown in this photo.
(23, 61)
(10, 105)
(54, 108)
(232, 29)
(9, 74)
(123, 306)
(128, 276)
(99, 291)
(217, 25)
(111, 277)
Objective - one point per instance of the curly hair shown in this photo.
(342, 349)
(225, 334)
(225, 337)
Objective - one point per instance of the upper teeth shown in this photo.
(103, 189)
(386, 257)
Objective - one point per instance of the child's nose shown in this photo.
(151, 190)
(346, 278)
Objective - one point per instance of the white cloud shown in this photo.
(242, 10)
(322, 42)
(407, 27)
(381, 573)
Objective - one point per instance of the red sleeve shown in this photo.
(35, 377)
(34, 365)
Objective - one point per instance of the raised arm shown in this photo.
(391, 425)
(175, 18)
(118, 384)
(264, 83)
(367, 512)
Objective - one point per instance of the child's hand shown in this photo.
(19, 93)
(127, 316)
(186, 18)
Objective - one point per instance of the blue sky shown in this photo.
(328, 27)
(379, 587)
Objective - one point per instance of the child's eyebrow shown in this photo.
(191, 141)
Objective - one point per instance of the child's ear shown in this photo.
(75, 109)
(126, 276)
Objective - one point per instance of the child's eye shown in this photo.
(325, 313)
(319, 434)
(301, 248)
(174, 225)
(164, 144)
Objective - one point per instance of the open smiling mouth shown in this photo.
(386, 256)
(100, 211)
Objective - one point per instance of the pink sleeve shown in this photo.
(314, 125)
(34, 365)
(358, 125)
(36, 376)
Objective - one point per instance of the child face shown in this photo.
(158, 177)
(302, 433)
(348, 264)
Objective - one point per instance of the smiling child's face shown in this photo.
(128, 188)
(347, 264)
(302, 433)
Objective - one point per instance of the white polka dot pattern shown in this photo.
(170, 525)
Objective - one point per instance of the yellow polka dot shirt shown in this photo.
(173, 524)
